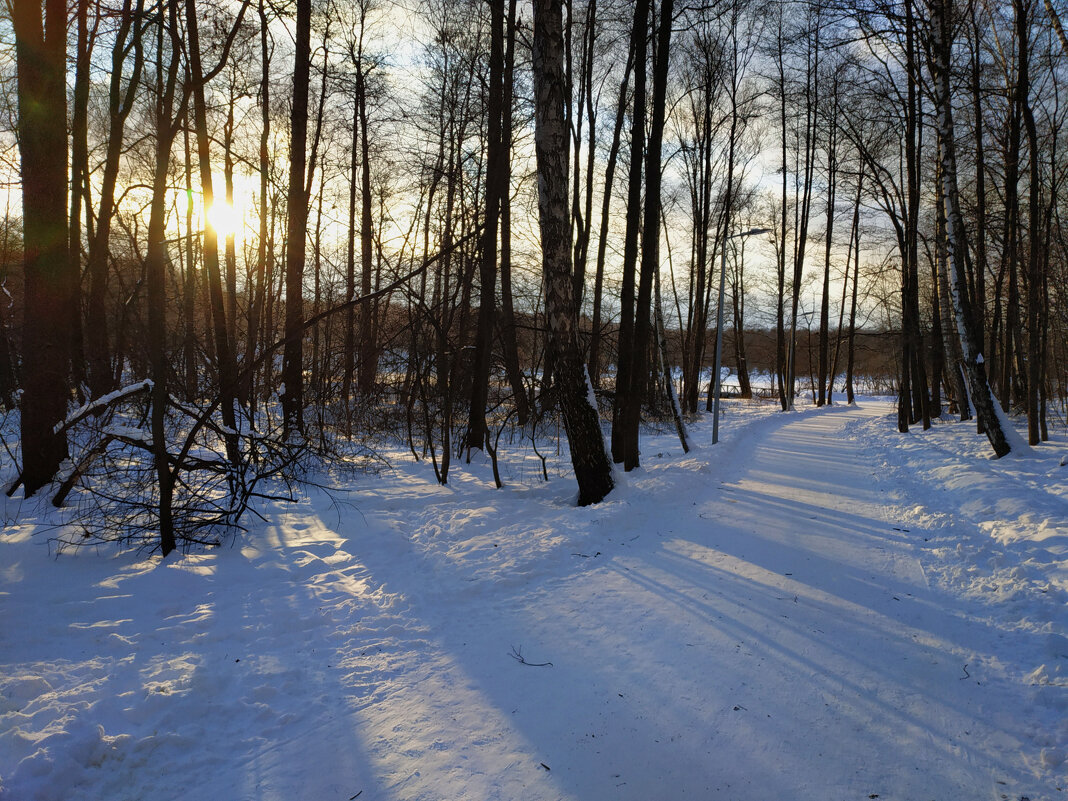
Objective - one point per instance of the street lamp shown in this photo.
(719, 324)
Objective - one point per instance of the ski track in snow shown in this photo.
(815, 608)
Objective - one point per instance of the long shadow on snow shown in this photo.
(619, 716)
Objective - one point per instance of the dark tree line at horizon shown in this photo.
(463, 219)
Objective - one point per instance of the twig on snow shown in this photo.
(517, 655)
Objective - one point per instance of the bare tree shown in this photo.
(296, 239)
(496, 186)
(942, 26)
(625, 349)
(585, 440)
(223, 352)
(40, 52)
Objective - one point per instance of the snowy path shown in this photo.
(748, 623)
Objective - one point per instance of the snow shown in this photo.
(815, 608)
(103, 402)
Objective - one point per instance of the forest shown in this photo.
(243, 237)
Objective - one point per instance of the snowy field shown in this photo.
(816, 609)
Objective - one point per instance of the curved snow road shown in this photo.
(746, 623)
(770, 634)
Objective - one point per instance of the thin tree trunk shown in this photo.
(801, 238)
(260, 285)
(120, 104)
(189, 296)
(296, 237)
(230, 243)
(509, 344)
(582, 204)
(781, 367)
(702, 286)
(156, 274)
(852, 338)
(78, 178)
(650, 262)
(741, 363)
(596, 337)
(227, 365)
(1035, 279)
(912, 403)
(979, 300)
(625, 348)
(496, 170)
(368, 347)
(349, 357)
(665, 366)
(824, 378)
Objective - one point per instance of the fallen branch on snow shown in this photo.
(517, 655)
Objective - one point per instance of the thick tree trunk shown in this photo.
(956, 241)
(1058, 26)
(950, 341)
(630, 417)
(585, 440)
(40, 52)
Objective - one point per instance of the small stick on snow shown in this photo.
(517, 655)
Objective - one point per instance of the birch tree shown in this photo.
(585, 440)
(942, 21)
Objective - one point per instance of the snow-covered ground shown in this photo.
(815, 608)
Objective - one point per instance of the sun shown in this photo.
(226, 219)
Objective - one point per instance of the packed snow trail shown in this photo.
(748, 622)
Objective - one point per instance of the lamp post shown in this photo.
(719, 324)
